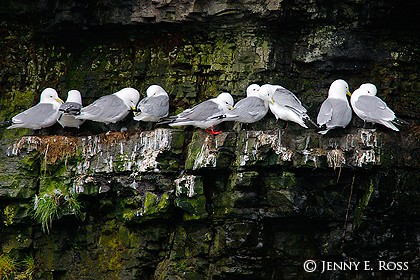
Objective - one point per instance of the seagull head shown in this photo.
(266, 96)
(369, 88)
(225, 100)
(155, 90)
(129, 96)
(338, 89)
(74, 96)
(266, 91)
(252, 90)
(50, 95)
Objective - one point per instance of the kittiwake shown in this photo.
(70, 109)
(286, 105)
(335, 111)
(111, 108)
(206, 114)
(154, 106)
(43, 114)
(371, 108)
(250, 109)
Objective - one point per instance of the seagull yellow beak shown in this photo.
(272, 101)
(231, 107)
(59, 100)
(348, 93)
(133, 108)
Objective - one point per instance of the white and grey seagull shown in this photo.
(70, 109)
(154, 106)
(206, 114)
(286, 106)
(335, 111)
(371, 108)
(251, 108)
(43, 114)
(111, 108)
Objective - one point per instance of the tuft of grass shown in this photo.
(29, 265)
(52, 205)
(8, 267)
(45, 210)
(9, 213)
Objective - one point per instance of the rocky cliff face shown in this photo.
(252, 203)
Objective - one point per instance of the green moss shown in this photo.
(129, 238)
(117, 245)
(120, 162)
(177, 140)
(30, 162)
(110, 257)
(194, 208)
(8, 267)
(8, 214)
(150, 203)
(49, 184)
(128, 215)
(363, 203)
(218, 241)
(19, 242)
(17, 101)
(164, 202)
(154, 205)
(178, 241)
(58, 169)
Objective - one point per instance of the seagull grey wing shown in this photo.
(41, 115)
(250, 109)
(105, 109)
(157, 106)
(374, 108)
(342, 113)
(325, 112)
(201, 112)
(286, 98)
(71, 108)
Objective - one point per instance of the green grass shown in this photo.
(8, 267)
(29, 265)
(12, 269)
(54, 204)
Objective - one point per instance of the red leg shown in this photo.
(211, 131)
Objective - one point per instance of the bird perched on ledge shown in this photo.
(335, 111)
(111, 108)
(250, 109)
(286, 106)
(154, 106)
(70, 109)
(371, 108)
(43, 114)
(205, 115)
